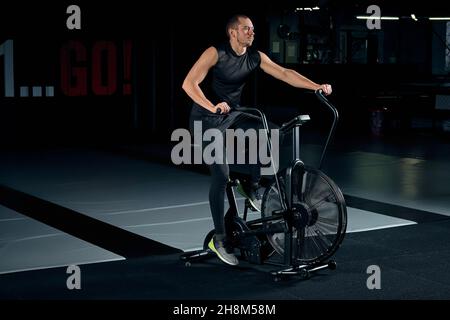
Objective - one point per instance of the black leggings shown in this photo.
(220, 173)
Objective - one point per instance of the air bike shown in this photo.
(303, 215)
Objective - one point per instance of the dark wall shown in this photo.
(166, 39)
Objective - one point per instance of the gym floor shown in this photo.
(124, 215)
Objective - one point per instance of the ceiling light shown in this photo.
(377, 18)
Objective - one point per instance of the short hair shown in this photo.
(233, 22)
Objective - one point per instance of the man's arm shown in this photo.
(290, 76)
(198, 72)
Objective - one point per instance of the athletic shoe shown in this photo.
(218, 247)
(251, 193)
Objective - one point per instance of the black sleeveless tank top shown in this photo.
(229, 75)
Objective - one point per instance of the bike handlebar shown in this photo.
(321, 97)
(319, 94)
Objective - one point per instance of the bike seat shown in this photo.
(297, 121)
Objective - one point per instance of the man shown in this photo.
(231, 63)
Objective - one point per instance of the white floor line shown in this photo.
(192, 204)
(37, 237)
(12, 219)
(61, 265)
(383, 227)
(159, 208)
(166, 223)
(178, 221)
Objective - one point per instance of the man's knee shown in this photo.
(219, 174)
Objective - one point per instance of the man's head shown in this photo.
(240, 28)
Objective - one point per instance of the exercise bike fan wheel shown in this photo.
(319, 219)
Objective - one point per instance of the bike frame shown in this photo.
(287, 211)
(286, 202)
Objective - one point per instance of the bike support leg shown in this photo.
(303, 271)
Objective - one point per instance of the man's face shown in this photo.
(245, 32)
